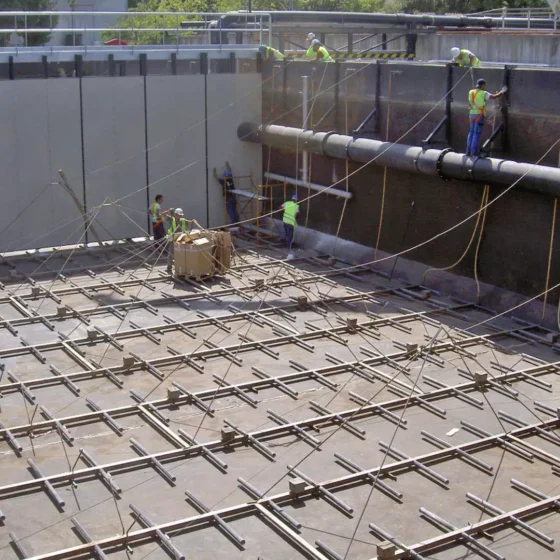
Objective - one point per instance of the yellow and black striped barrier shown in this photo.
(384, 55)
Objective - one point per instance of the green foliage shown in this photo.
(462, 6)
(33, 39)
(159, 22)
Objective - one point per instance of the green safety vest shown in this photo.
(290, 213)
(155, 219)
(326, 56)
(477, 102)
(310, 53)
(270, 53)
(173, 228)
(464, 60)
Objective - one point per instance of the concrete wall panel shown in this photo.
(176, 139)
(232, 99)
(115, 159)
(41, 134)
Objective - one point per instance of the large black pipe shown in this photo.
(443, 163)
(461, 21)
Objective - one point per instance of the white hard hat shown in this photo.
(179, 211)
(310, 36)
(455, 52)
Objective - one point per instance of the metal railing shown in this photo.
(176, 26)
(527, 15)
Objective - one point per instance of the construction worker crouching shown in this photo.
(270, 54)
(464, 58)
(291, 210)
(477, 112)
(321, 53)
(177, 224)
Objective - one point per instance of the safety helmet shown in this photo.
(262, 48)
(179, 211)
(455, 52)
(480, 82)
(310, 36)
(294, 197)
(227, 173)
(315, 42)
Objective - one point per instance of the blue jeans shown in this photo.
(231, 207)
(288, 234)
(475, 132)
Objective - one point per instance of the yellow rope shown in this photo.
(478, 244)
(549, 257)
(482, 203)
(382, 209)
(347, 181)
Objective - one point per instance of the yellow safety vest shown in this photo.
(326, 56)
(173, 227)
(477, 102)
(310, 53)
(464, 59)
(270, 53)
(155, 219)
(290, 213)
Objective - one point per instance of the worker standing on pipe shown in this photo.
(477, 112)
(228, 186)
(464, 58)
(291, 210)
(321, 53)
(157, 219)
(270, 54)
(177, 224)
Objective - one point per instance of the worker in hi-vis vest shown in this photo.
(310, 53)
(177, 223)
(270, 54)
(477, 112)
(291, 210)
(321, 53)
(156, 218)
(465, 58)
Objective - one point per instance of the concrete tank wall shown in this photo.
(97, 129)
(514, 247)
(507, 47)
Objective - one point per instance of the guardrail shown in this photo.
(173, 25)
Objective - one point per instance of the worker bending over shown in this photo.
(477, 112)
(226, 180)
(270, 54)
(291, 210)
(310, 52)
(177, 223)
(156, 218)
(464, 58)
(321, 53)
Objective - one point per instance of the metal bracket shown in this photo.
(375, 113)
(502, 128)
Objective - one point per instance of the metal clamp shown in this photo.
(439, 163)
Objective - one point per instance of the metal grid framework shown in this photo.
(298, 409)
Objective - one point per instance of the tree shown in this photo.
(463, 6)
(33, 39)
(156, 22)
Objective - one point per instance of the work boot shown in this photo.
(169, 270)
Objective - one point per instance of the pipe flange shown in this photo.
(324, 141)
(439, 163)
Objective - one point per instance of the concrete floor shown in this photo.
(43, 528)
